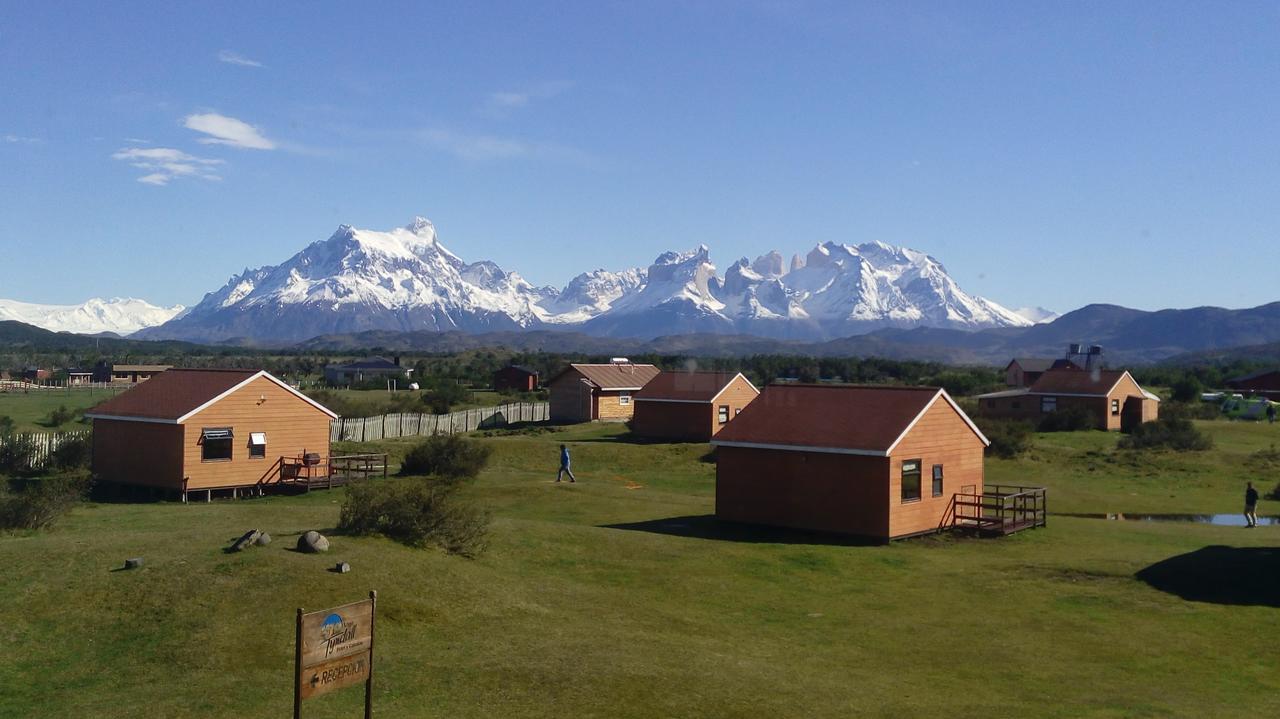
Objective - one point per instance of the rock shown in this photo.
(245, 540)
(263, 540)
(313, 542)
(342, 568)
(133, 563)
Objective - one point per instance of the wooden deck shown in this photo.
(331, 472)
(999, 510)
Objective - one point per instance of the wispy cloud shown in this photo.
(234, 58)
(223, 130)
(505, 102)
(21, 140)
(164, 164)
(488, 148)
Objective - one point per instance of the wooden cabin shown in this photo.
(208, 429)
(1024, 371)
(135, 373)
(690, 406)
(369, 369)
(1264, 384)
(597, 392)
(515, 378)
(1113, 397)
(880, 462)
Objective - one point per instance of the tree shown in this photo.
(1187, 389)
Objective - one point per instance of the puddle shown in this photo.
(1225, 520)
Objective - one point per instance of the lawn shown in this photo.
(618, 597)
(368, 403)
(30, 410)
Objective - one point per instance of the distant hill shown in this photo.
(16, 335)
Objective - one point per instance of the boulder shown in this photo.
(133, 563)
(263, 540)
(245, 541)
(312, 542)
(342, 568)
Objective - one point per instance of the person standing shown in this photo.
(1250, 505)
(564, 465)
(1271, 412)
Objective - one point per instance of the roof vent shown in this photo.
(620, 360)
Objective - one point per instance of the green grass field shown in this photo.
(618, 597)
(29, 410)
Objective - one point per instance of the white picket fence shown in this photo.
(391, 426)
(43, 444)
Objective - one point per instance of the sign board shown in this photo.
(334, 649)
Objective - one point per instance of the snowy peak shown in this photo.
(121, 315)
(1037, 315)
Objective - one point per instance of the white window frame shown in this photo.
(254, 443)
(1048, 404)
(624, 398)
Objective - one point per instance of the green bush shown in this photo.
(38, 504)
(74, 453)
(59, 417)
(16, 454)
(417, 512)
(450, 456)
(1072, 418)
(6, 425)
(442, 395)
(1175, 433)
(1187, 389)
(1009, 437)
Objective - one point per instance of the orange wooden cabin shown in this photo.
(597, 392)
(190, 430)
(1112, 397)
(879, 462)
(690, 406)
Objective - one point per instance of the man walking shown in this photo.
(564, 465)
(1250, 505)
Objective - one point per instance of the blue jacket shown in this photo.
(564, 457)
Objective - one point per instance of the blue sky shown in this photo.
(1048, 153)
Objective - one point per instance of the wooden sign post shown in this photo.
(334, 649)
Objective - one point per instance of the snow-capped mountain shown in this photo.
(405, 279)
(1037, 315)
(121, 315)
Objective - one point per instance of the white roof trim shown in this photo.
(943, 394)
(267, 375)
(726, 386)
(120, 418)
(1149, 395)
(674, 401)
(800, 448)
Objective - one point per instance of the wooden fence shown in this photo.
(390, 426)
(42, 444)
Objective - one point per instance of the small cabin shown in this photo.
(1024, 371)
(1264, 384)
(134, 373)
(190, 430)
(79, 377)
(597, 392)
(690, 406)
(369, 369)
(1114, 399)
(515, 378)
(879, 462)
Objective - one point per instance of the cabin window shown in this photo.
(722, 413)
(215, 444)
(1115, 407)
(1048, 404)
(257, 445)
(624, 398)
(937, 480)
(911, 480)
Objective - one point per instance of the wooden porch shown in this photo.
(315, 472)
(999, 510)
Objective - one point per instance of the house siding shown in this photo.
(138, 453)
(941, 436)
(292, 426)
(570, 399)
(691, 421)
(609, 409)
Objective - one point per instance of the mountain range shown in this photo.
(406, 280)
(118, 315)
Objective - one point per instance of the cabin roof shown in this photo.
(174, 395)
(615, 376)
(849, 419)
(688, 386)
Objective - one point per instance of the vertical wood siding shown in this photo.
(138, 453)
(940, 437)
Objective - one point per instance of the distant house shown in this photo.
(874, 461)
(1113, 397)
(135, 373)
(365, 370)
(1024, 371)
(590, 392)
(79, 377)
(690, 406)
(515, 377)
(36, 374)
(206, 429)
(1265, 383)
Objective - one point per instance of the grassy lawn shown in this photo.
(29, 410)
(617, 597)
(369, 403)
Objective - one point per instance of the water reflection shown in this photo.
(1226, 520)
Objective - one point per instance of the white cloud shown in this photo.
(484, 148)
(21, 140)
(223, 130)
(164, 164)
(503, 102)
(234, 58)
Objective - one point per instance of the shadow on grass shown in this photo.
(1220, 575)
(707, 526)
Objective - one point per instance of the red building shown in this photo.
(515, 377)
(1265, 384)
(690, 406)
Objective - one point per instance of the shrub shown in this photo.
(6, 425)
(73, 453)
(417, 512)
(40, 503)
(16, 453)
(1175, 433)
(1187, 389)
(1009, 437)
(1072, 418)
(59, 417)
(452, 457)
(443, 395)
